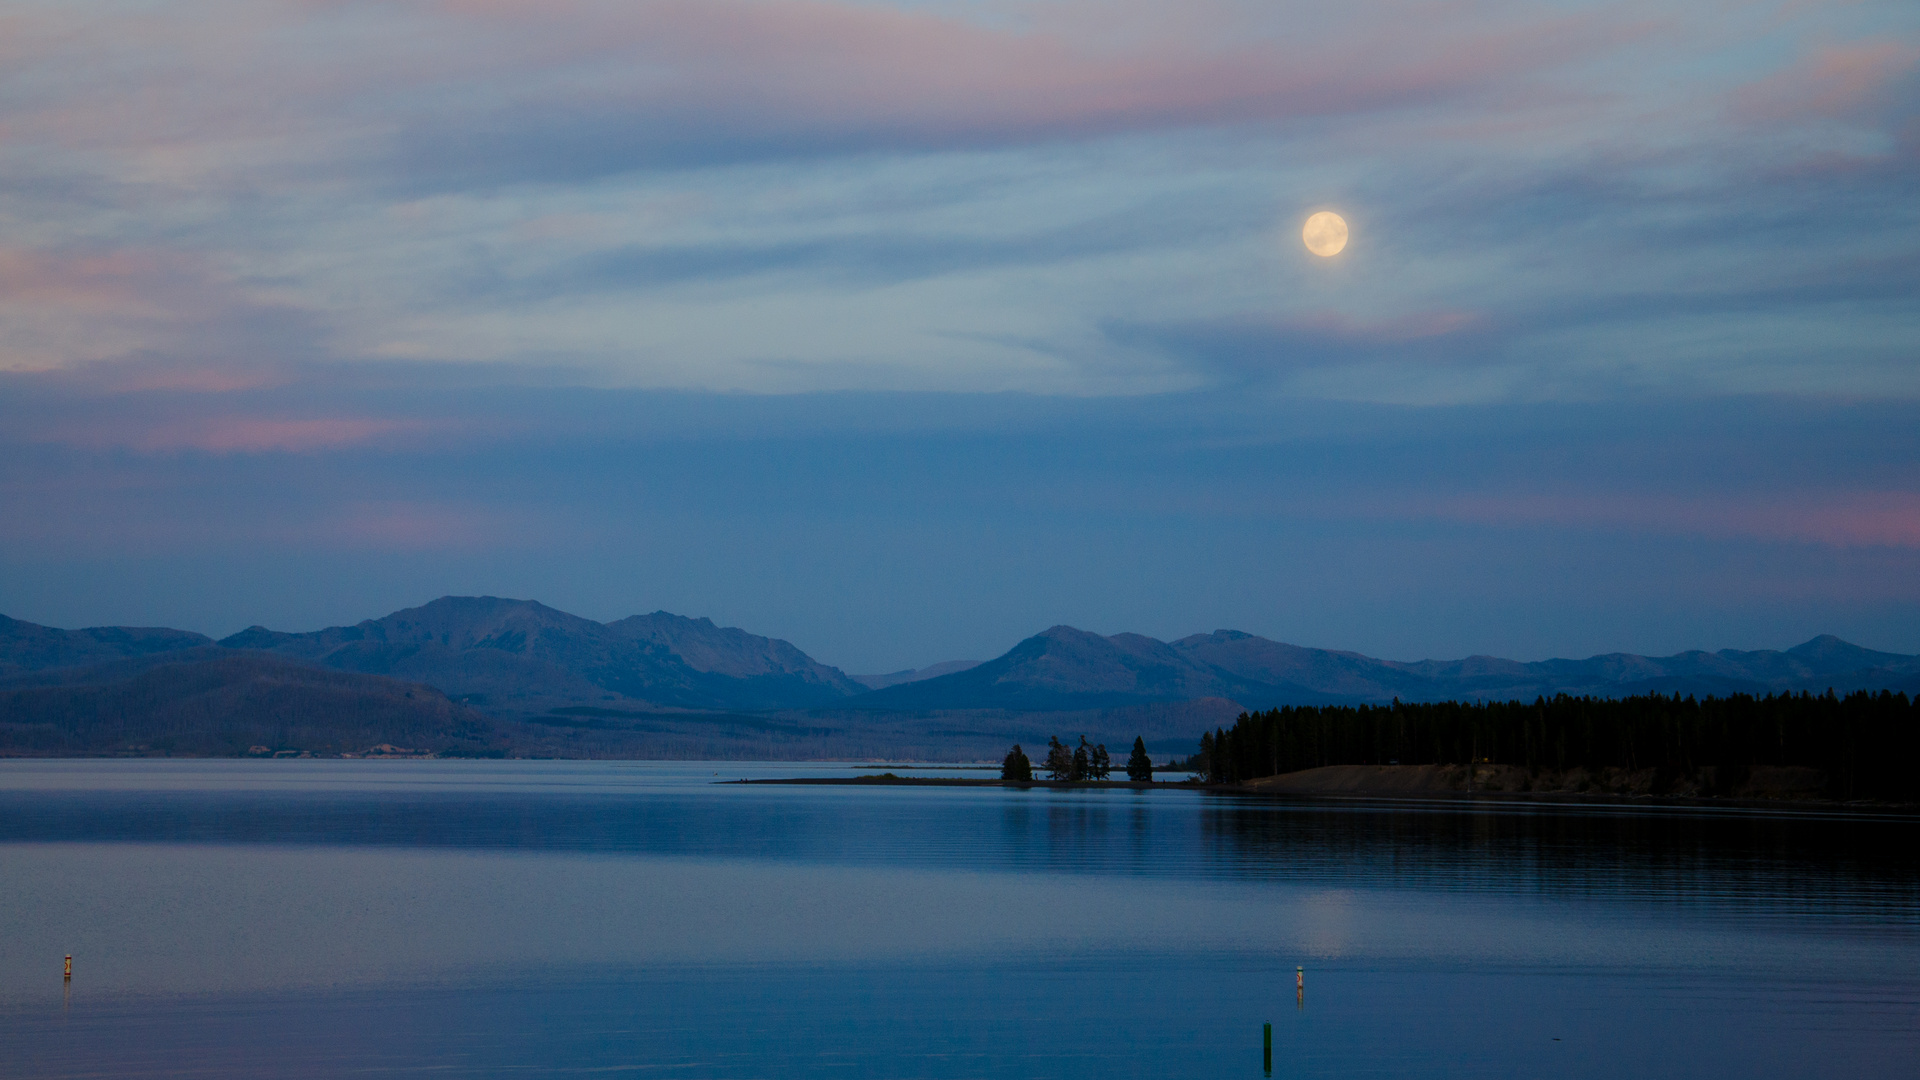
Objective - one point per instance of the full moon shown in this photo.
(1325, 234)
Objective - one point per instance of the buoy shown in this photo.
(69, 967)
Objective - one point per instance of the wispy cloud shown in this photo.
(424, 525)
(67, 305)
(1842, 519)
(242, 434)
(785, 195)
(536, 91)
(876, 519)
(1857, 81)
(676, 83)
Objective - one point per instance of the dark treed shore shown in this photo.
(495, 677)
(1085, 762)
(1863, 744)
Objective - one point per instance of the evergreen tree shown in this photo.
(1139, 766)
(1059, 760)
(1016, 766)
(1082, 762)
(1099, 765)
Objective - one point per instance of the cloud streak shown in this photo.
(543, 88)
(1853, 82)
(1859, 519)
(679, 83)
(243, 434)
(810, 194)
(876, 522)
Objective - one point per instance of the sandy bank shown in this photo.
(891, 780)
(1761, 782)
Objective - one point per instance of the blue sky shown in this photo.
(903, 331)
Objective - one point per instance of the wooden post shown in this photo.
(69, 967)
(1266, 1055)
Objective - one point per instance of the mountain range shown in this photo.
(1064, 668)
(665, 685)
(519, 653)
(207, 701)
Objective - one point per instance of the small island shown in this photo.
(1808, 748)
(1087, 765)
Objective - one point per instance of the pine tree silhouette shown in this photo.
(1139, 766)
(1059, 760)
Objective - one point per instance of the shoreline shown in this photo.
(1279, 793)
(891, 780)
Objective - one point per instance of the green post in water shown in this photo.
(1266, 1056)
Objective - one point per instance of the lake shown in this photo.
(384, 918)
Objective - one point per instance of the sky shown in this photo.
(905, 330)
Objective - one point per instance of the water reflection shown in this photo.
(1838, 866)
(499, 919)
(1862, 867)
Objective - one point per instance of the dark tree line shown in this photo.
(1084, 762)
(1865, 742)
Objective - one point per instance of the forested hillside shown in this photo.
(222, 702)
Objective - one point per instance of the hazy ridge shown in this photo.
(1066, 668)
(516, 676)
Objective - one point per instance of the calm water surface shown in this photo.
(330, 918)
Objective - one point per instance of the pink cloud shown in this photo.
(136, 377)
(1832, 82)
(110, 281)
(232, 434)
(791, 66)
(821, 64)
(1838, 519)
(70, 522)
(107, 317)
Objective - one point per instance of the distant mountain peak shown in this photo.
(1831, 649)
(1826, 644)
